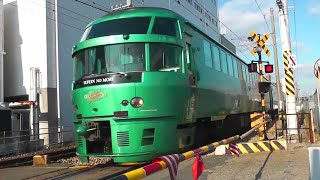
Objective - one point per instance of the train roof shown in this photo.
(137, 12)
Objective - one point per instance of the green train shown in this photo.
(148, 83)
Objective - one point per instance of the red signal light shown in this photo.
(268, 68)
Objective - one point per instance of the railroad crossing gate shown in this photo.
(260, 43)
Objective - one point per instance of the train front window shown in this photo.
(165, 26)
(165, 57)
(137, 25)
(109, 59)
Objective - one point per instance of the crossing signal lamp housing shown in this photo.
(268, 68)
(264, 87)
(252, 67)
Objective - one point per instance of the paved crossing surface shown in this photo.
(287, 164)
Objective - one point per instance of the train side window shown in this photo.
(252, 76)
(235, 67)
(223, 58)
(216, 57)
(247, 74)
(207, 54)
(244, 75)
(230, 68)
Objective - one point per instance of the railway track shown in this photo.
(27, 159)
(100, 172)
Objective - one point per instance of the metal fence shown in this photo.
(304, 131)
(16, 142)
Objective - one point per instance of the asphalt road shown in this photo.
(292, 163)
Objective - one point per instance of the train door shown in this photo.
(190, 66)
(191, 70)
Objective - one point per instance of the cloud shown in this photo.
(305, 78)
(241, 17)
(314, 10)
(297, 44)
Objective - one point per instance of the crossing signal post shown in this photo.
(264, 87)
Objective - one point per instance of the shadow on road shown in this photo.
(258, 175)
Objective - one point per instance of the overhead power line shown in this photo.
(218, 20)
(264, 16)
(53, 10)
(98, 4)
(89, 18)
(93, 6)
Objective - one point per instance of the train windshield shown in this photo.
(170, 24)
(137, 25)
(108, 59)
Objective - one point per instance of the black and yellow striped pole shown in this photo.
(261, 79)
(290, 89)
(258, 49)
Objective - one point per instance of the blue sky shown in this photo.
(243, 16)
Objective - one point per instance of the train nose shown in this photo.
(104, 101)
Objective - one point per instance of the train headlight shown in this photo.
(136, 102)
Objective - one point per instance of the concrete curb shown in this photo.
(262, 146)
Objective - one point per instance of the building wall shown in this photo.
(70, 29)
(26, 45)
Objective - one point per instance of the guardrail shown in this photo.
(16, 142)
(160, 164)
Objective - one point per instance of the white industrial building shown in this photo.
(40, 34)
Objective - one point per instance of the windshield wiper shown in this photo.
(120, 73)
(90, 75)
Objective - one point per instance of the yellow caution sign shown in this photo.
(260, 43)
(255, 37)
(266, 50)
(264, 40)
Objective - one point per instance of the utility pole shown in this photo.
(276, 64)
(289, 79)
(1, 56)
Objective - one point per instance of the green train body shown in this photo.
(145, 78)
